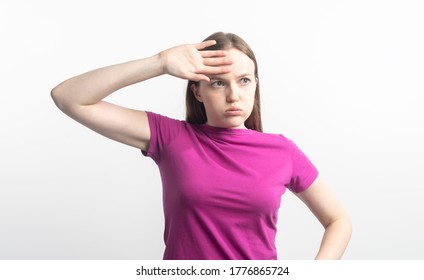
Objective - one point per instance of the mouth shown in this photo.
(234, 111)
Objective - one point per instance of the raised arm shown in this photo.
(332, 216)
(81, 97)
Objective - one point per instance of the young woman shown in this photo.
(222, 177)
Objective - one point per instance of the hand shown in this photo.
(191, 63)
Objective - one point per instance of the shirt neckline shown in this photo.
(227, 131)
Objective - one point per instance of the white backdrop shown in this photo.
(343, 79)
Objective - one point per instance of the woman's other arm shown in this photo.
(333, 217)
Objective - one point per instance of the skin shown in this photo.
(228, 98)
(333, 217)
(81, 97)
(226, 88)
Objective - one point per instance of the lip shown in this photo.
(233, 108)
(234, 111)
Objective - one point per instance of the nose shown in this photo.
(232, 94)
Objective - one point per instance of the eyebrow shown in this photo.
(218, 77)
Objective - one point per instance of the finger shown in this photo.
(199, 77)
(213, 70)
(205, 44)
(220, 61)
(217, 53)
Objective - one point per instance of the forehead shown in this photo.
(242, 64)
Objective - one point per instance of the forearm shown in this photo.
(91, 87)
(335, 240)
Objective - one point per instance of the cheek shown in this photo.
(215, 99)
(212, 104)
(250, 100)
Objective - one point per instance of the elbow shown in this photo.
(58, 97)
(349, 226)
(344, 225)
(347, 221)
(54, 95)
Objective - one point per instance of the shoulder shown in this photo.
(159, 118)
(162, 122)
(163, 131)
(169, 127)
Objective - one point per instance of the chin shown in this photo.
(235, 124)
(229, 122)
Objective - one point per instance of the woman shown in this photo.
(222, 177)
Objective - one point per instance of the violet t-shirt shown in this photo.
(222, 187)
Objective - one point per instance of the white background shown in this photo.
(343, 79)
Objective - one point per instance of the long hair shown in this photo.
(195, 110)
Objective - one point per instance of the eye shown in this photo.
(245, 81)
(217, 84)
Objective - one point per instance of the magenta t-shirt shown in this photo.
(222, 188)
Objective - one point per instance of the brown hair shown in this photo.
(195, 110)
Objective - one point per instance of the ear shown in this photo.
(195, 90)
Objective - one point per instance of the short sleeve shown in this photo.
(304, 172)
(162, 131)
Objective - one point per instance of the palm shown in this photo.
(190, 63)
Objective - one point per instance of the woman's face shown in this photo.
(229, 98)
